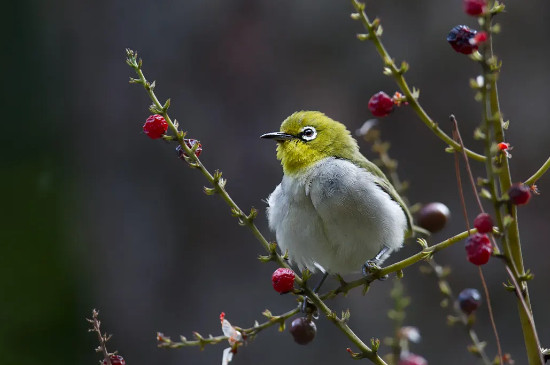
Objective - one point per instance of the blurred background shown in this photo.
(97, 215)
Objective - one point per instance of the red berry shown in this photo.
(479, 249)
(380, 104)
(115, 360)
(503, 146)
(283, 280)
(483, 223)
(433, 216)
(412, 359)
(155, 126)
(519, 194)
(469, 300)
(303, 330)
(475, 7)
(460, 38)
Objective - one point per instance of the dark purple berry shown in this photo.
(303, 330)
(469, 300)
(479, 249)
(380, 104)
(433, 216)
(461, 39)
(483, 223)
(519, 194)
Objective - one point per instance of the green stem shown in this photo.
(217, 182)
(366, 352)
(212, 340)
(537, 175)
(404, 86)
(511, 238)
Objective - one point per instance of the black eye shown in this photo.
(308, 133)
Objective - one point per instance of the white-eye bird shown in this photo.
(334, 209)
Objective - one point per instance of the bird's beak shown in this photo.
(278, 136)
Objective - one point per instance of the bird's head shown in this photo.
(307, 137)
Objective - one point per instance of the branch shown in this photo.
(426, 253)
(248, 333)
(374, 31)
(500, 176)
(537, 175)
(218, 183)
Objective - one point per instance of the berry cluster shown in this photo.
(479, 249)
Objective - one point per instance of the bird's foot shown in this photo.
(371, 268)
(309, 309)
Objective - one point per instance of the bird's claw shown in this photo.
(371, 268)
(309, 309)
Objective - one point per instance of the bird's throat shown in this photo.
(296, 157)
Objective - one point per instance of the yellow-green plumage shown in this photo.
(333, 140)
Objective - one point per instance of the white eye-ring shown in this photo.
(308, 133)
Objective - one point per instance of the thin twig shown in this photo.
(456, 134)
(166, 342)
(397, 73)
(438, 271)
(537, 175)
(103, 338)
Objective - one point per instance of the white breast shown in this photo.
(334, 215)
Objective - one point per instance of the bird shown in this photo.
(334, 210)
